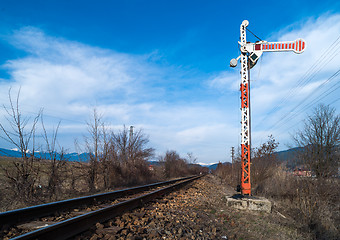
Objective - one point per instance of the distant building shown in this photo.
(302, 172)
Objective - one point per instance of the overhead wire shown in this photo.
(321, 96)
(294, 124)
(308, 76)
(318, 65)
(335, 101)
(31, 113)
(325, 58)
(304, 79)
(324, 94)
(300, 105)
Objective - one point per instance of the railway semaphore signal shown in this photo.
(250, 53)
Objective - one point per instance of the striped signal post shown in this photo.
(250, 53)
(245, 116)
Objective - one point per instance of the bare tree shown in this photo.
(191, 158)
(174, 165)
(222, 172)
(319, 141)
(56, 164)
(92, 145)
(193, 167)
(318, 144)
(107, 158)
(21, 134)
(132, 152)
(264, 160)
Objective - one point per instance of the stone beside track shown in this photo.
(198, 211)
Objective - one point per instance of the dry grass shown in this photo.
(313, 202)
(73, 180)
(41, 195)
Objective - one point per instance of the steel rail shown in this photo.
(77, 225)
(13, 217)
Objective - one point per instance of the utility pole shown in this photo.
(131, 134)
(250, 53)
(131, 144)
(232, 162)
(232, 151)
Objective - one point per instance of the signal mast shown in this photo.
(250, 53)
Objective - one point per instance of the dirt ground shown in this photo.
(198, 211)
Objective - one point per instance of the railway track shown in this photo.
(65, 219)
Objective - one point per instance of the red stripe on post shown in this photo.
(299, 45)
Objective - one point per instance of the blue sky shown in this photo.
(163, 66)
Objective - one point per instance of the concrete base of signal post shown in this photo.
(251, 203)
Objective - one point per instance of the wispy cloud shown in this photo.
(280, 81)
(68, 79)
(225, 81)
(57, 69)
(177, 108)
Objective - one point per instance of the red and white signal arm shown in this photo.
(256, 49)
(297, 46)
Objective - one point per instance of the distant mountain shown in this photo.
(73, 157)
(288, 156)
(212, 166)
(154, 163)
(9, 153)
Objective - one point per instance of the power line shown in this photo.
(47, 115)
(321, 96)
(310, 105)
(311, 72)
(335, 101)
(308, 76)
(287, 117)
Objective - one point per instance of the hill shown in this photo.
(287, 156)
(73, 157)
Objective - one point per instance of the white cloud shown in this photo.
(68, 78)
(225, 80)
(283, 80)
(60, 70)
